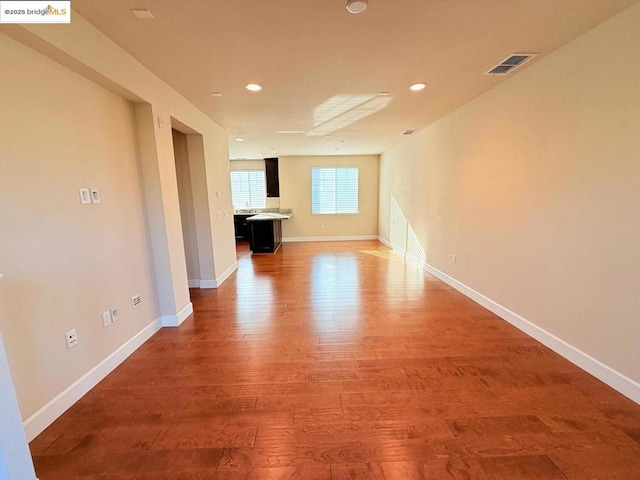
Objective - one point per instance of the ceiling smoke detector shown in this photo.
(356, 6)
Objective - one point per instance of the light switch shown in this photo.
(85, 195)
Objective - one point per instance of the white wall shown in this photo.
(15, 458)
(535, 186)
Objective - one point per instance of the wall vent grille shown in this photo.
(136, 300)
(511, 62)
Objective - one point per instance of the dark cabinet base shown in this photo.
(242, 227)
(266, 236)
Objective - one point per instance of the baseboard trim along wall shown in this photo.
(384, 241)
(226, 274)
(330, 239)
(44, 417)
(213, 282)
(616, 380)
(176, 320)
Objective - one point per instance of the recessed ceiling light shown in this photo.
(416, 87)
(253, 87)
(238, 139)
(356, 6)
(215, 94)
(142, 13)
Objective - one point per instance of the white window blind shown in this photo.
(334, 190)
(248, 189)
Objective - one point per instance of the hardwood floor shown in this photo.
(338, 361)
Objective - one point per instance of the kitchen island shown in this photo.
(266, 232)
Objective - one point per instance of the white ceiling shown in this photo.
(317, 63)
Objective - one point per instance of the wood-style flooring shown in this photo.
(340, 361)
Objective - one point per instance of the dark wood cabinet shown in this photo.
(273, 181)
(242, 227)
(266, 235)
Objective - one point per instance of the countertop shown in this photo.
(269, 216)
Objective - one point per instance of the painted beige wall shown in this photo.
(535, 186)
(79, 131)
(295, 192)
(236, 165)
(82, 48)
(66, 263)
(187, 213)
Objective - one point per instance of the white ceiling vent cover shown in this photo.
(511, 62)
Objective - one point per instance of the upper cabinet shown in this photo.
(273, 183)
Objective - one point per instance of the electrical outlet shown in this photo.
(115, 314)
(106, 318)
(72, 338)
(136, 300)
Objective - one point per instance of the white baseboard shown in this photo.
(346, 238)
(44, 417)
(226, 274)
(176, 320)
(214, 282)
(384, 241)
(208, 283)
(616, 380)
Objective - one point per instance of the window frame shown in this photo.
(357, 192)
(264, 187)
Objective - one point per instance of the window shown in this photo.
(334, 190)
(248, 189)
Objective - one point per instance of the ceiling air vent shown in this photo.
(409, 132)
(511, 62)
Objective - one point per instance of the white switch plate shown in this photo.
(85, 196)
(115, 314)
(95, 195)
(72, 338)
(106, 318)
